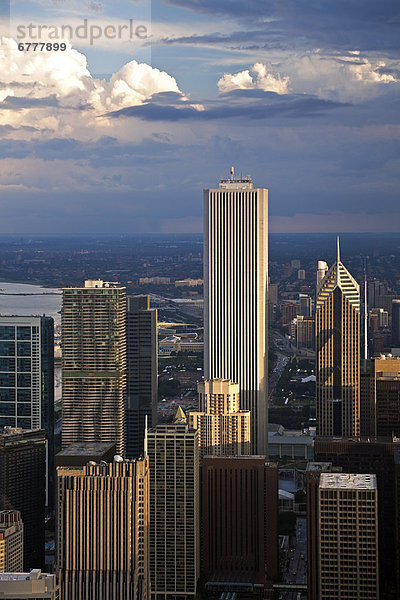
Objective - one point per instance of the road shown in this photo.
(297, 567)
(281, 362)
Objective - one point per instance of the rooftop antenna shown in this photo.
(337, 250)
(365, 314)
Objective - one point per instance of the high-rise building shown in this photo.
(235, 295)
(27, 380)
(11, 541)
(24, 586)
(23, 486)
(94, 364)
(301, 274)
(322, 269)
(306, 305)
(396, 323)
(346, 524)
(141, 372)
(78, 455)
(102, 530)
(174, 510)
(337, 345)
(239, 523)
(223, 428)
(302, 331)
(375, 456)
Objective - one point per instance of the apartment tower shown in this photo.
(337, 344)
(224, 429)
(141, 372)
(235, 295)
(94, 364)
(102, 530)
(174, 510)
(347, 543)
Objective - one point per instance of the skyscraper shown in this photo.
(396, 323)
(223, 428)
(235, 295)
(27, 380)
(141, 372)
(94, 364)
(11, 541)
(337, 344)
(23, 485)
(239, 523)
(346, 526)
(174, 510)
(102, 530)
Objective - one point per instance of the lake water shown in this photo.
(40, 301)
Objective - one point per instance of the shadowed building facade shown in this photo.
(102, 531)
(11, 542)
(337, 345)
(23, 486)
(141, 372)
(94, 364)
(235, 295)
(174, 510)
(239, 523)
(224, 429)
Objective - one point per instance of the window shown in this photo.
(23, 333)
(7, 332)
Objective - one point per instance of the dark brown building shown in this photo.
(374, 456)
(239, 523)
(23, 486)
(79, 454)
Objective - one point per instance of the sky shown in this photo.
(153, 101)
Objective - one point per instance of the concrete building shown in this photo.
(102, 530)
(302, 332)
(94, 364)
(188, 282)
(23, 486)
(337, 346)
(239, 524)
(347, 542)
(322, 269)
(141, 372)
(24, 586)
(223, 428)
(235, 295)
(79, 454)
(306, 305)
(27, 380)
(301, 274)
(380, 397)
(11, 541)
(375, 456)
(174, 510)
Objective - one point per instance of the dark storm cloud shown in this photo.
(256, 104)
(362, 24)
(19, 102)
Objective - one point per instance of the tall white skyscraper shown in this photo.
(235, 295)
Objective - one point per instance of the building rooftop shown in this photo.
(88, 448)
(347, 481)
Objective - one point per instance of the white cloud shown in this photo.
(263, 79)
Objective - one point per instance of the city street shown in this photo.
(297, 567)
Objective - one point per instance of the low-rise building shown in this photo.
(22, 586)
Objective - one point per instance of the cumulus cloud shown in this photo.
(66, 76)
(258, 77)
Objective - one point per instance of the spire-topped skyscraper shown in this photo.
(235, 295)
(337, 331)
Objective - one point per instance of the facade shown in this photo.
(302, 332)
(11, 541)
(27, 380)
(174, 510)
(337, 345)
(306, 305)
(23, 486)
(223, 428)
(375, 456)
(102, 531)
(24, 586)
(94, 364)
(322, 269)
(396, 323)
(380, 397)
(141, 372)
(348, 537)
(239, 523)
(235, 295)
